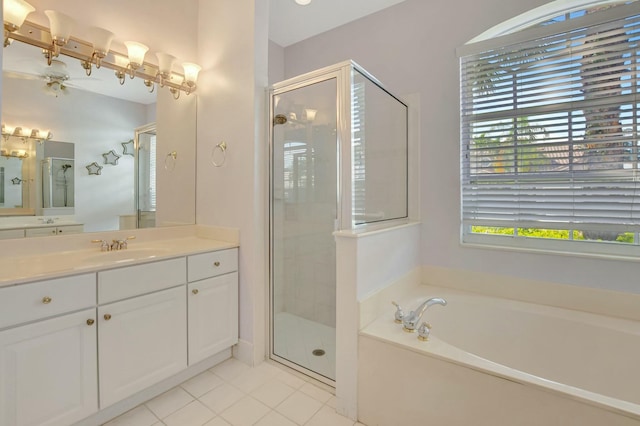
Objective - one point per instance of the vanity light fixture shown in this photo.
(191, 72)
(136, 56)
(101, 41)
(303, 2)
(14, 13)
(97, 51)
(165, 63)
(121, 63)
(19, 132)
(61, 26)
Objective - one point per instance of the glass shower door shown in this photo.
(303, 218)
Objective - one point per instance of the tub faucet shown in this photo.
(410, 322)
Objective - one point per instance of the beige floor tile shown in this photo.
(273, 392)
(139, 416)
(230, 369)
(221, 398)
(193, 414)
(245, 412)
(218, 421)
(274, 418)
(169, 402)
(327, 416)
(315, 392)
(290, 379)
(299, 407)
(202, 383)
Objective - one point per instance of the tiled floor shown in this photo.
(232, 393)
(296, 338)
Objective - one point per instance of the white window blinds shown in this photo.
(549, 130)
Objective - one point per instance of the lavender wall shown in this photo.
(411, 48)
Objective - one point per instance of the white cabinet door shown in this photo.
(48, 372)
(213, 316)
(141, 341)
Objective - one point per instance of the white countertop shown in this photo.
(19, 269)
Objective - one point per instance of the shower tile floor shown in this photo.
(235, 394)
(295, 339)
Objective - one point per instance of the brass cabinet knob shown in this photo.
(195, 291)
(46, 300)
(216, 263)
(90, 321)
(107, 317)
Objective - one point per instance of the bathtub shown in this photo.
(492, 361)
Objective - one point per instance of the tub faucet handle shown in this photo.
(423, 331)
(399, 315)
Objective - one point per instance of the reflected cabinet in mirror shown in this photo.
(92, 115)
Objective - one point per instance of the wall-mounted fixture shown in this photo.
(111, 158)
(14, 14)
(58, 39)
(25, 134)
(128, 148)
(170, 161)
(94, 168)
(19, 153)
(222, 147)
(303, 2)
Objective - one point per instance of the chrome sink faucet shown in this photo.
(410, 322)
(115, 244)
(121, 244)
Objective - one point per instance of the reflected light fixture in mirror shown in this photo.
(122, 63)
(61, 26)
(101, 41)
(14, 13)
(165, 63)
(136, 53)
(303, 2)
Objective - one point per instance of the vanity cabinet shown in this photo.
(72, 346)
(142, 316)
(48, 371)
(142, 341)
(53, 230)
(213, 303)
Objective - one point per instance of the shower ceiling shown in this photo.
(290, 23)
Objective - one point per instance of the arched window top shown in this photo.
(546, 13)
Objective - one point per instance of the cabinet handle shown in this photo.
(195, 291)
(46, 300)
(90, 321)
(216, 263)
(107, 317)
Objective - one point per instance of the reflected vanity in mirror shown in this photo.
(95, 115)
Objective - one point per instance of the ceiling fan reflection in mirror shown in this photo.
(55, 77)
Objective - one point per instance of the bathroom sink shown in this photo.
(126, 255)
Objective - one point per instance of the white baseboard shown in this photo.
(243, 351)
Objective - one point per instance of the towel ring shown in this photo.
(172, 165)
(222, 146)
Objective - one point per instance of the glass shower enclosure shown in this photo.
(338, 161)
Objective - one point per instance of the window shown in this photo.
(550, 118)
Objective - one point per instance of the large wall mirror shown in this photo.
(99, 118)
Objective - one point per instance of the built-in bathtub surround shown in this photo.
(495, 361)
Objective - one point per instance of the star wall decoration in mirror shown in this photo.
(16, 181)
(111, 158)
(94, 168)
(128, 148)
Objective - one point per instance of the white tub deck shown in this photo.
(574, 356)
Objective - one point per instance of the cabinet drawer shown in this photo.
(118, 284)
(207, 265)
(40, 232)
(11, 233)
(28, 302)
